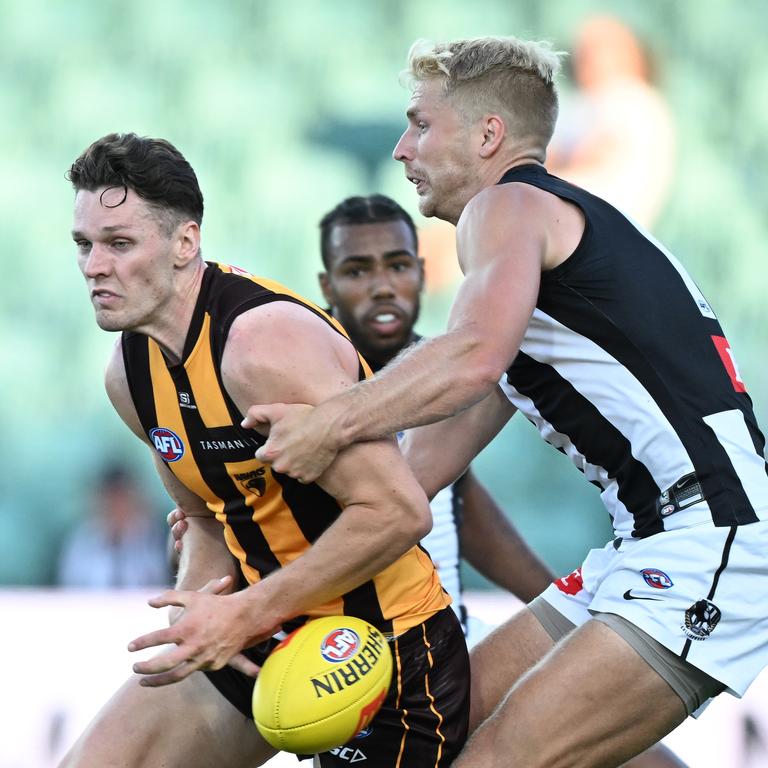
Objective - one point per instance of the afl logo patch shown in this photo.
(167, 443)
(657, 579)
(339, 645)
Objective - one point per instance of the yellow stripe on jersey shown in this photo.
(169, 416)
(202, 377)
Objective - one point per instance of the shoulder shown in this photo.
(275, 345)
(522, 219)
(270, 330)
(116, 384)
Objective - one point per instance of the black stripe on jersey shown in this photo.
(312, 508)
(136, 359)
(723, 563)
(238, 513)
(714, 470)
(571, 414)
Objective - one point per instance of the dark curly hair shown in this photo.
(153, 168)
(372, 209)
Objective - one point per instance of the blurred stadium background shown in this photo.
(283, 109)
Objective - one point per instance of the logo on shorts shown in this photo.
(571, 584)
(655, 578)
(339, 645)
(701, 619)
(167, 443)
(350, 754)
(629, 596)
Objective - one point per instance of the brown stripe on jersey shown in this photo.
(136, 360)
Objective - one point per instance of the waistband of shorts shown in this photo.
(443, 618)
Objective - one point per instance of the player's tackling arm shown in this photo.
(501, 249)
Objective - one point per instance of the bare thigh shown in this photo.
(187, 724)
(592, 701)
(501, 658)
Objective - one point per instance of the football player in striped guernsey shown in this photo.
(572, 314)
(200, 342)
(372, 283)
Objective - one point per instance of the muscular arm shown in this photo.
(205, 555)
(501, 250)
(493, 546)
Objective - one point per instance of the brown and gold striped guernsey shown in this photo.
(269, 519)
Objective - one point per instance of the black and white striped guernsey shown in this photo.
(624, 368)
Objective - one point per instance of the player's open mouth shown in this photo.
(385, 323)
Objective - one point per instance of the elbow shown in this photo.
(423, 522)
(480, 374)
(413, 523)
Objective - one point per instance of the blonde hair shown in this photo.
(514, 78)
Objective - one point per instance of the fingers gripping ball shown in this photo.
(322, 685)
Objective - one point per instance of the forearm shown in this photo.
(357, 547)
(439, 453)
(204, 555)
(430, 381)
(493, 546)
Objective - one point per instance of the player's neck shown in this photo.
(170, 327)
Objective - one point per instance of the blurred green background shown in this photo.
(284, 108)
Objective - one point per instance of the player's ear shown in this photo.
(493, 134)
(421, 274)
(325, 287)
(187, 243)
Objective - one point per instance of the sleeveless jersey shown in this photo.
(443, 544)
(624, 368)
(269, 519)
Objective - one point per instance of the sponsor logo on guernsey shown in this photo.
(571, 584)
(657, 579)
(365, 732)
(351, 669)
(185, 401)
(701, 619)
(228, 445)
(350, 754)
(167, 443)
(729, 362)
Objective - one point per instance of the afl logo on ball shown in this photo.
(339, 645)
(167, 443)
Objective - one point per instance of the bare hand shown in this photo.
(210, 633)
(177, 522)
(300, 443)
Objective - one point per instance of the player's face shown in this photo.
(373, 285)
(125, 256)
(435, 151)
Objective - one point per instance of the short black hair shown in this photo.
(153, 168)
(371, 209)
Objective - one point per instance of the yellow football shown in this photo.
(322, 685)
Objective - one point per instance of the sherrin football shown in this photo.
(322, 685)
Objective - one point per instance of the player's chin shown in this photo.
(426, 205)
(108, 321)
